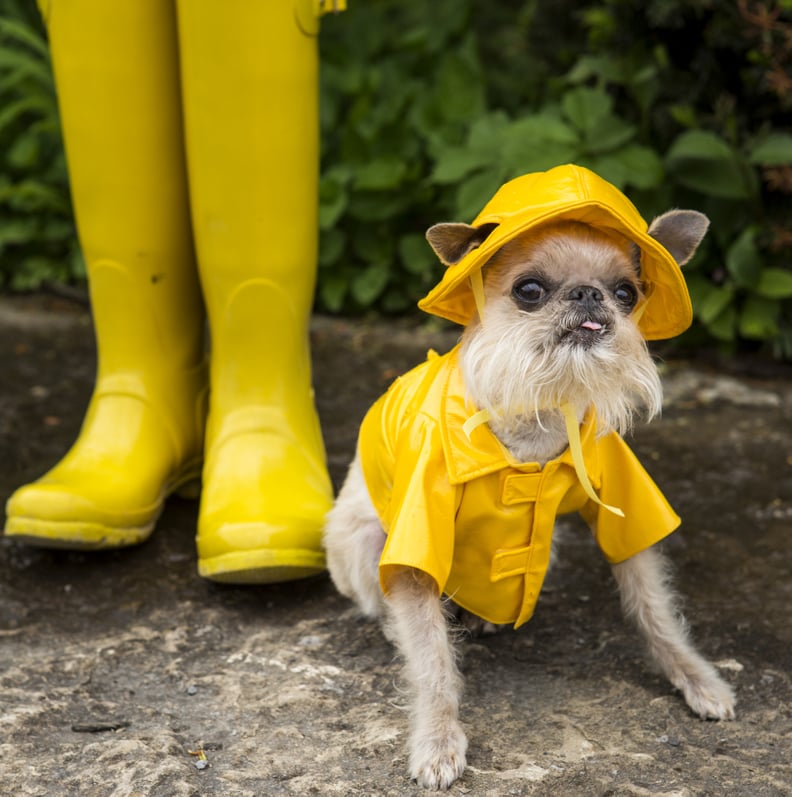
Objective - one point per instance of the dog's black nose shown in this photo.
(589, 296)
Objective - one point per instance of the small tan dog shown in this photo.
(463, 464)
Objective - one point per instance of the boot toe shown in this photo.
(58, 516)
(264, 503)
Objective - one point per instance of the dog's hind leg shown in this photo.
(353, 540)
(648, 599)
(418, 624)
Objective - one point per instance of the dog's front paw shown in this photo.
(710, 698)
(438, 759)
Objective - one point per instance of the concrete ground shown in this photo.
(125, 674)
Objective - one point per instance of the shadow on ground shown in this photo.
(125, 674)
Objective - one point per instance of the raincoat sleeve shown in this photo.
(420, 516)
(624, 483)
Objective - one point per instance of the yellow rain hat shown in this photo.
(568, 193)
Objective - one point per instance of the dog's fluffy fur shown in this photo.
(557, 327)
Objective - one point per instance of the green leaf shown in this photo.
(370, 283)
(590, 111)
(645, 166)
(395, 302)
(474, 193)
(415, 253)
(704, 162)
(34, 271)
(759, 318)
(331, 246)
(332, 291)
(33, 195)
(536, 143)
(586, 108)
(602, 67)
(743, 258)
(378, 206)
(634, 165)
(458, 90)
(21, 64)
(645, 86)
(24, 153)
(332, 204)
(58, 229)
(487, 131)
(698, 287)
(17, 231)
(774, 150)
(381, 174)
(15, 30)
(714, 301)
(77, 267)
(724, 326)
(774, 283)
(16, 109)
(684, 115)
(456, 163)
(28, 77)
(608, 134)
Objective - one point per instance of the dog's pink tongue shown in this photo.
(591, 325)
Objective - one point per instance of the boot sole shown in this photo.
(262, 566)
(74, 536)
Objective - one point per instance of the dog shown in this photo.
(462, 466)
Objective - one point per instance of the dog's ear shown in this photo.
(451, 241)
(680, 231)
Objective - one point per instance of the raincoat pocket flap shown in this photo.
(509, 562)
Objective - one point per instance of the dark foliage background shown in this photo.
(428, 107)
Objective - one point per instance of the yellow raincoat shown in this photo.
(477, 522)
(453, 503)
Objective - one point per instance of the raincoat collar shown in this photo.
(468, 457)
(570, 193)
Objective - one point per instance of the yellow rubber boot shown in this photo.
(116, 68)
(252, 144)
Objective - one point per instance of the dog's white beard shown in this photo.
(516, 370)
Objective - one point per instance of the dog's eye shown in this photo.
(529, 292)
(626, 295)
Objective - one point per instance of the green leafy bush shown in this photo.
(720, 115)
(428, 107)
(37, 238)
(679, 103)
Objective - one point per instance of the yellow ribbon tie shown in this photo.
(474, 421)
(640, 308)
(477, 286)
(576, 449)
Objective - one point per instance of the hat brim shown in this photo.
(667, 310)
